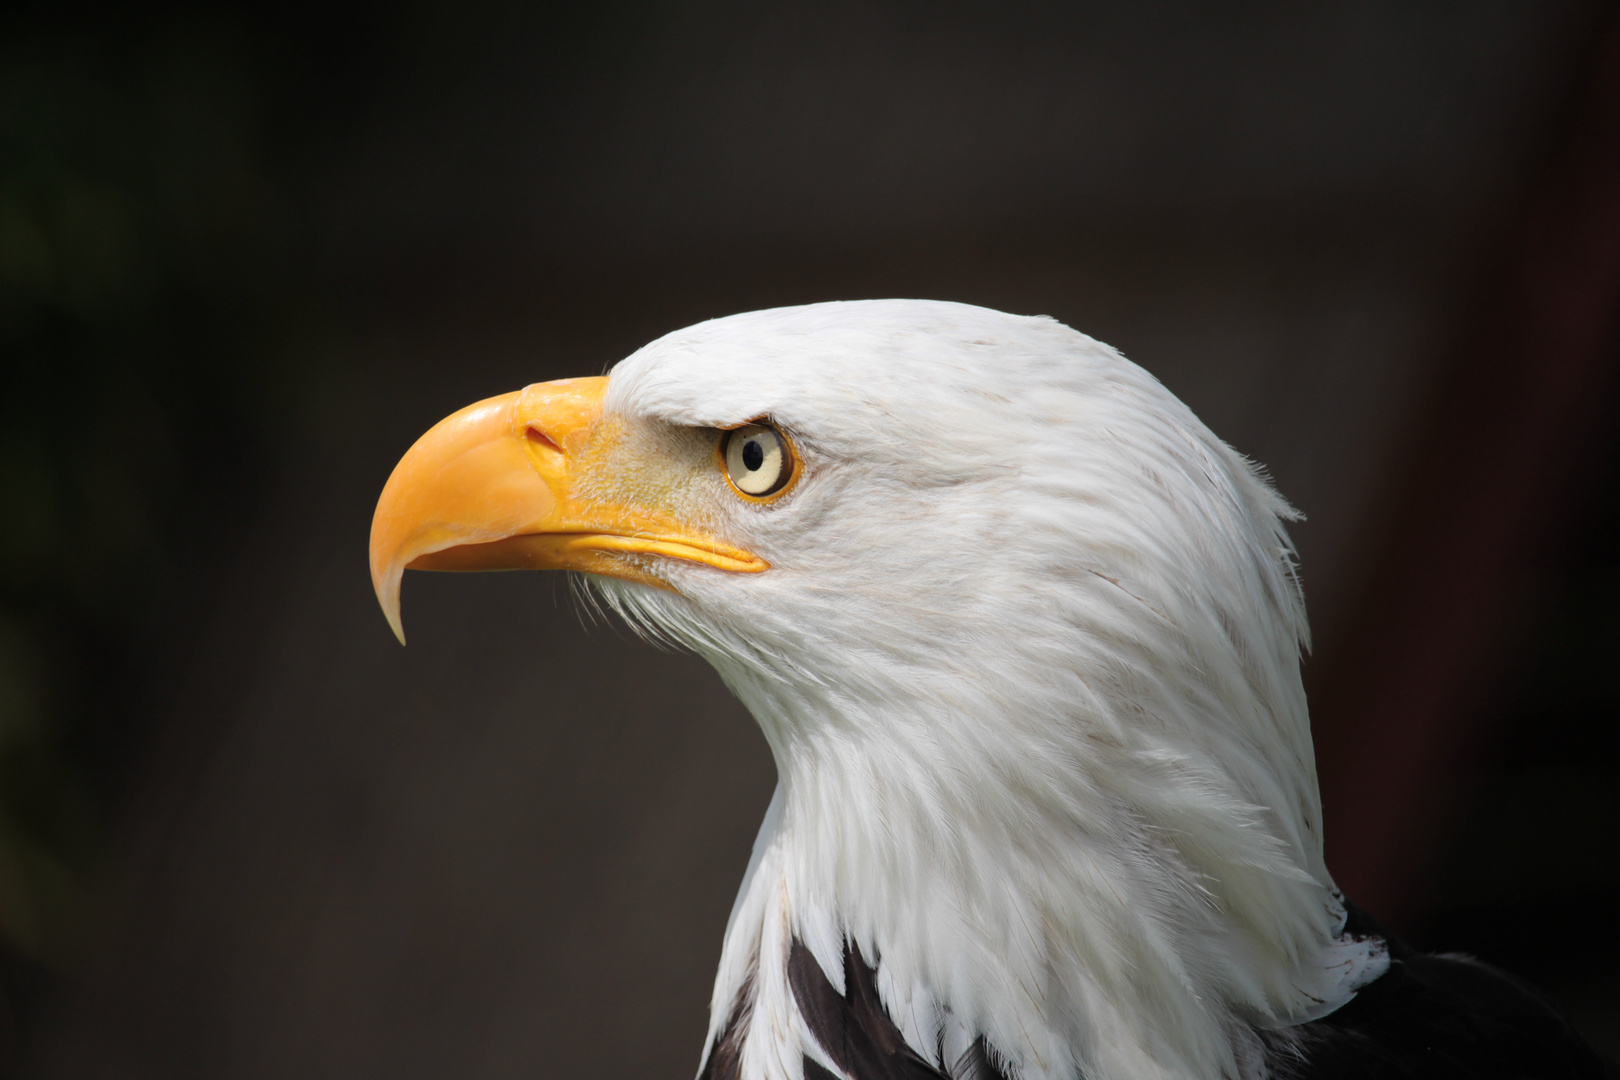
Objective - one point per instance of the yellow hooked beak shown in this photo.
(497, 486)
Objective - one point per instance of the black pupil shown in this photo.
(753, 455)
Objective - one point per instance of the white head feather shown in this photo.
(1028, 661)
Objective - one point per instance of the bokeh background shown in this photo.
(247, 255)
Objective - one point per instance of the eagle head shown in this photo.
(1023, 636)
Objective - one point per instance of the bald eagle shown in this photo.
(1023, 636)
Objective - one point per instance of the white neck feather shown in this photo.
(1080, 924)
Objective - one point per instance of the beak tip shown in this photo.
(387, 588)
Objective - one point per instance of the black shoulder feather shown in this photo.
(1434, 1018)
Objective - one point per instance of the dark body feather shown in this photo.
(1434, 1018)
(853, 1028)
(1426, 1018)
(856, 1032)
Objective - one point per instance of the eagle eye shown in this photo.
(758, 460)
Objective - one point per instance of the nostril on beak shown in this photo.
(537, 436)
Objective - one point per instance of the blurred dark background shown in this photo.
(247, 255)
